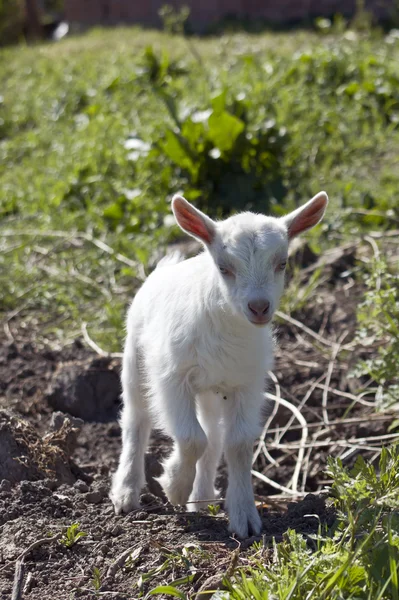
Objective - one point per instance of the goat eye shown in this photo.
(224, 271)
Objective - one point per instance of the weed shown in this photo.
(96, 579)
(357, 558)
(378, 317)
(174, 20)
(184, 560)
(297, 292)
(72, 535)
(213, 509)
(93, 144)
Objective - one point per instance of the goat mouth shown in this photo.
(260, 322)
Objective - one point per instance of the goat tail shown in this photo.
(172, 258)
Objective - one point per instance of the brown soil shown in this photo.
(55, 470)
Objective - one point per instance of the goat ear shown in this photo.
(193, 221)
(306, 216)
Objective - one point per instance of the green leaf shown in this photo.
(166, 589)
(219, 102)
(176, 151)
(114, 211)
(224, 129)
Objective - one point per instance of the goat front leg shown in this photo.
(242, 426)
(176, 412)
(209, 415)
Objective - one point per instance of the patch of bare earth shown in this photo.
(55, 469)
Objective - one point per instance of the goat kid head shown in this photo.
(250, 252)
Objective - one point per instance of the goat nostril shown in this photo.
(252, 309)
(259, 307)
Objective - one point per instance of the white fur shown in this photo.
(196, 358)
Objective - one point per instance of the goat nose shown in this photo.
(259, 307)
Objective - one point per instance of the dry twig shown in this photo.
(122, 558)
(20, 567)
(95, 346)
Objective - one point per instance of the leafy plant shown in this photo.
(357, 558)
(72, 535)
(182, 559)
(174, 19)
(378, 318)
(223, 159)
(96, 580)
(214, 509)
(94, 143)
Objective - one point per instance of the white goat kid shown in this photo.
(198, 348)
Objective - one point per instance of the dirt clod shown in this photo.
(25, 456)
(88, 389)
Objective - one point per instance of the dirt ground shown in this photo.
(55, 469)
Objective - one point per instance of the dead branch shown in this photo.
(20, 567)
(122, 558)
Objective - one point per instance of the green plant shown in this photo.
(378, 318)
(222, 158)
(357, 558)
(182, 559)
(173, 19)
(94, 143)
(72, 535)
(363, 19)
(96, 579)
(214, 509)
(299, 291)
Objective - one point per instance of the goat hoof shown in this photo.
(125, 500)
(200, 500)
(177, 490)
(245, 522)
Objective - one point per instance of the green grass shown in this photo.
(356, 558)
(310, 112)
(378, 317)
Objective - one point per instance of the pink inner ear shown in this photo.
(192, 222)
(309, 217)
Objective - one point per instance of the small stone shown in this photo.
(117, 530)
(51, 484)
(27, 486)
(58, 419)
(12, 351)
(148, 498)
(5, 485)
(101, 489)
(81, 486)
(104, 549)
(141, 516)
(93, 497)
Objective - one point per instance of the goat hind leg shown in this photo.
(129, 478)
